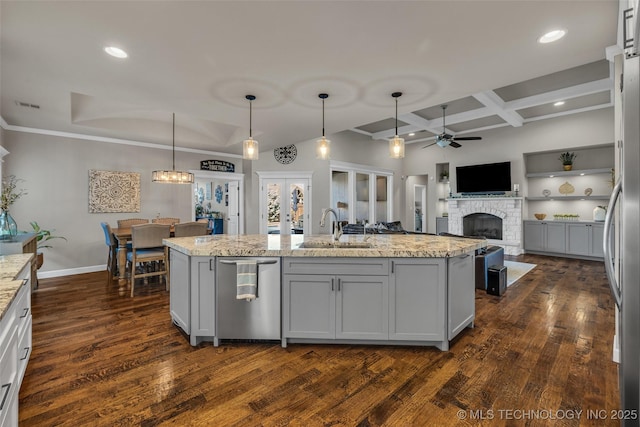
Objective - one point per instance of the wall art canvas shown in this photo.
(113, 191)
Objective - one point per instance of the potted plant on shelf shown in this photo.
(567, 160)
(43, 237)
(444, 175)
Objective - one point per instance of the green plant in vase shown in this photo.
(43, 237)
(567, 160)
(10, 193)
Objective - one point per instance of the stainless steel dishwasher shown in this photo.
(258, 319)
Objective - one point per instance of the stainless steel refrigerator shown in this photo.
(622, 226)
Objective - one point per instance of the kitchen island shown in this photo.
(379, 289)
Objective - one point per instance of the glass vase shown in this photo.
(8, 226)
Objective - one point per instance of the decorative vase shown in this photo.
(567, 167)
(599, 213)
(8, 226)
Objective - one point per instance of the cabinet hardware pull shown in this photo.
(332, 284)
(26, 353)
(6, 393)
(26, 311)
(393, 266)
(211, 264)
(339, 282)
(25, 281)
(224, 261)
(626, 42)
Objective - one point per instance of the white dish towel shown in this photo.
(247, 280)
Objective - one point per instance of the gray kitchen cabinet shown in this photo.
(350, 305)
(544, 236)
(585, 239)
(417, 299)
(179, 292)
(461, 303)
(362, 307)
(442, 224)
(202, 290)
(309, 306)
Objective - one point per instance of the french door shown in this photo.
(285, 204)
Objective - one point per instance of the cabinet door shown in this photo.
(417, 299)
(555, 237)
(179, 293)
(534, 236)
(309, 309)
(461, 298)
(597, 240)
(202, 316)
(362, 307)
(578, 239)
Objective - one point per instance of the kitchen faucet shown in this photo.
(337, 231)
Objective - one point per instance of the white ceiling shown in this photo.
(200, 59)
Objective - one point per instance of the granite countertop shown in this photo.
(10, 266)
(382, 245)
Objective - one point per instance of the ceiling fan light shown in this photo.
(250, 149)
(442, 142)
(396, 147)
(323, 148)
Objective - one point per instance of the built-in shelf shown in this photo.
(566, 198)
(576, 172)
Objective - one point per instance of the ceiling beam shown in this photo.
(589, 88)
(497, 106)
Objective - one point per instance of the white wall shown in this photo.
(509, 144)
(55, 174)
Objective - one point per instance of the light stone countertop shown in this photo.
(10, 266)
(382, 245)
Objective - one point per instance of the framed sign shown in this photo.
(217, 166)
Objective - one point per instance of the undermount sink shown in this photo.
(335, 245)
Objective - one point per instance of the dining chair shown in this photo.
(191, 229)
(126, 223)
(147, 248)
(112, 259)
(168, 220)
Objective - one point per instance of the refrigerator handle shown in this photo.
(608, 262)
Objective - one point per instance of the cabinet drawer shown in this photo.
(24, 349)
(22, 306)
(8, 370)
(356, 266)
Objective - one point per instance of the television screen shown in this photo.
(491, 178)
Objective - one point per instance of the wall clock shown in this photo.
(286, 154)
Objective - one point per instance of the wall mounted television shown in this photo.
(490, 178)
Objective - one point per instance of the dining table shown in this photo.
(123, 236)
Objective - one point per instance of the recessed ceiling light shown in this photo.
(552, 36)
(411, 134)
(559, 103)
(115, 52)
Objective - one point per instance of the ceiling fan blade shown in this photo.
(426, 146)
(467, 138)
(454, 144)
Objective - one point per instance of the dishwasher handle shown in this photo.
(223, 261)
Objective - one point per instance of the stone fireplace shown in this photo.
(489, 213)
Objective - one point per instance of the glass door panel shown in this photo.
(381, 198)
(362, 198)
(274, 204)
(285, 206)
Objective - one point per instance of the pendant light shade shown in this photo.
(396, 144)
(323, 145)
(172, 176)
(250, 146)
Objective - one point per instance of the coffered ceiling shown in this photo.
(200, 59)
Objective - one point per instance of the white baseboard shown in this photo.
(71, 271)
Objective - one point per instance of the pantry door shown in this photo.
(285, 204)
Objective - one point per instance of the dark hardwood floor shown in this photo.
(101, 358)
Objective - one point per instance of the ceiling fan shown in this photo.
(444, 139)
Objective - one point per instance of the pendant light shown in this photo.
(396, 144)
(323, 145)
(173, 176)
(250, 146)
